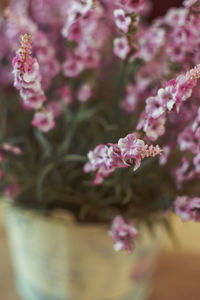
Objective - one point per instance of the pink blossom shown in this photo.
(11, 190)
(121, 47)
(196, 161)
(181, 207)
(84, 92)
(123, 234)
(155, 107)
(12, 149)
(165, 155)
(183, 172)
(55, 108)
(155, 127)
(189, 3)
(73, 66)
(129, 151)
(131, 99)
(44, 121)
(65, 93)
(194, 209)
(122, 21)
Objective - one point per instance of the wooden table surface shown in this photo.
(177, 276)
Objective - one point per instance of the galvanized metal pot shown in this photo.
(56, 259)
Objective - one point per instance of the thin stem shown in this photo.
(118, 91)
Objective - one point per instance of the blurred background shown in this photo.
(177, 272)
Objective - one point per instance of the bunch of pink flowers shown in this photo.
(67, 47)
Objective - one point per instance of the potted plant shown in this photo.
(93, 77)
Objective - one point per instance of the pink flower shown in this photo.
(189, 3)
(183, 173)
(55, 107)
(131, 99)
(12, 149)
(196, 162)
(11, 190)
(181, 207)
(73, 66)
(121, 47)
(44, 121)
(194, 209)
(65, 93)
(165, 155)
(122, 21)
(155, 128)
(84, 92)
(129, 151)
(187, 208)
(155, 107)
(131, 148)
(123, 235)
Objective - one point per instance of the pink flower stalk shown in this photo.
(27, 79)
(168, 99)
(123, 235)
(27, 76)
(129, 151)
(44, 121)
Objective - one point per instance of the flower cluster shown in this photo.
(27, 79)
(101, 70)
(187, 208)
(123, 235)
(127, 152)
(166, 100)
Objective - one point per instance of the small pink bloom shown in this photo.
(54, 107)
(123, 235)
(155, 107)
(72, 67)
(196, 161)
(122, 21)
(165, 155)
(155, 128)
(12, 149)
(181, 207)
(65, 93)
(84, 92)
(121, 47)
(44, 121)
(194, 209)
(189, 3)
(131, 148)
(11, 190)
